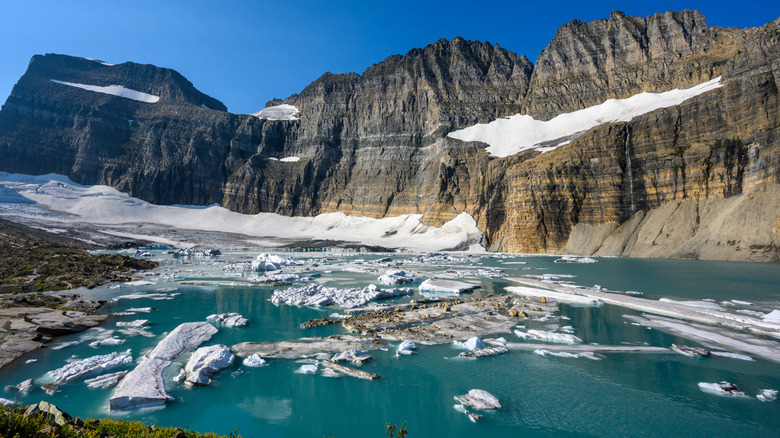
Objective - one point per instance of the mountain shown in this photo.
(697, 179)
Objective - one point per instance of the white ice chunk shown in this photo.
(767, 395)
(353, 355)
(105, 381)
(395, 277)
(319, 295)
(114, 90)
(479, 399)
(561, 297)
(206, 361)
(136, 323)
(722, 388)
(773, 316)
(228, 319)
(544, 336)
(107, 341)
(254, 361)
(278, 112)
(308, 369)
(406, 347)
(517, 133)
(440, 285)
(91, 366)
(144, 386)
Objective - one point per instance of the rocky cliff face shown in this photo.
(375, 144)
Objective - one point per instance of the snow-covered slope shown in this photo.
(278, 112)
(106, 205)
(114, 90)
(521, 132)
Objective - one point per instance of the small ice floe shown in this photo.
(485, 352)
(722, 388)
(140, 283)
(702, 304)
(107, 341)
(319, 295)
(730, 355)
(308, 369)
(471, 343)
(767, 395)
(205, 362)
(275, 278)
(395, 277)
(91, 366)
(544, 336)
(179, 377)
(479, 399)
(241, 266)
(25, 386)
(50, 388)
(29, 361)
(449, 286)
(105, 381)
(742, 303)
(140, 309)
(750, 312)
(137, 331)
(689, 351)
(136, 323)
(353, 355)
(270, 262)
(228, 319)
(573, 259)
(195, 253)
(139, 296)
(543, 352)
(254, 361)
(406, 347)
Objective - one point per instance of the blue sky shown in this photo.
(247, 52)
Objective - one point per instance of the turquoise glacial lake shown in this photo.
(623, 394)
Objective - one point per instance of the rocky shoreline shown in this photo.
(33, 261)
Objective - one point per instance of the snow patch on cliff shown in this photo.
(278, 112)
(514, 134)
(114, 90)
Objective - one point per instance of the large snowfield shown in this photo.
(106, 205)
(518, 133)
(278, 112)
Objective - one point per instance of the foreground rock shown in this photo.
(205, 362)
(479, 399)
(144, 386)
(54, 414)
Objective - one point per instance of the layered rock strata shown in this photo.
(375, 144)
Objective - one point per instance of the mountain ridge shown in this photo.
(375, 144)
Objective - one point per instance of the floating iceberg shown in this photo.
(573, 259)
(25, 386)
(396, 277)
(144, 386)
(767, 395)
(105, 381)
(479, 399)
(722, 388)
(358, 357)
(228, 319)
(485, 352)
(319, 295)
(107, 341)
(308, 369)
(91, 366)
(406, 347)
(451, 286)
(270, 262)
(254, 361)
(206, 361)
(544, 336)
